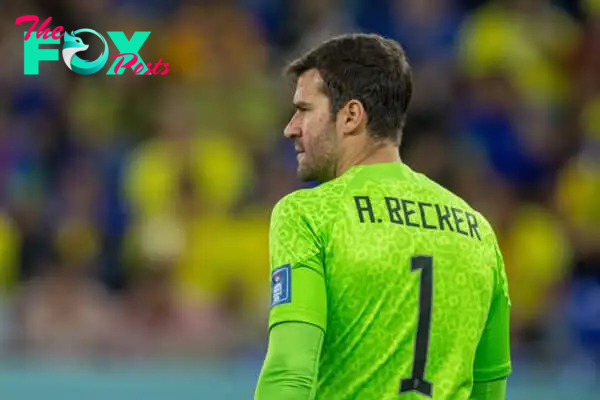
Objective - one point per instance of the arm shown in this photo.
(291, 364)
(298, 317)
(494, 390)
(492, 360)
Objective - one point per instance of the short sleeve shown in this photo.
(492, 360)
(298, 291)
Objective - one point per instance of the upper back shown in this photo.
(373, 224)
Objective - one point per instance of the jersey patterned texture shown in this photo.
(405, 279)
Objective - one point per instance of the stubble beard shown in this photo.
(321, 163)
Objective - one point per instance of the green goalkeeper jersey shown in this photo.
(405, 279)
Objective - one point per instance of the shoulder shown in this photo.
(312, 209)
(447, 196)
(451, 197)
(294, 204)
(293, 214)
(314, 202)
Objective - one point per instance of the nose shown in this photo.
(292, 130)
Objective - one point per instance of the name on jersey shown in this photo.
(417, 214)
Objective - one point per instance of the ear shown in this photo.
(352, 117)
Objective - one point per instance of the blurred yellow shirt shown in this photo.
(222, 252)
(590, 119)
(218, 250)
(536, 254)
(591, 6)
(152, 178)
(9, 253)
(578, 183)
(578, 191)
(527, 47)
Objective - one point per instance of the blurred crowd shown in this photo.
(134, 210)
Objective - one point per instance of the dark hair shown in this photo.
(369, 68)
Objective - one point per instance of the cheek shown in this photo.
(310, 125)
(321, 145)
(312, 138)
(316, 130)
(315, 127)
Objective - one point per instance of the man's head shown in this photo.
(352, 90)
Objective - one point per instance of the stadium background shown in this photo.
(134, 210)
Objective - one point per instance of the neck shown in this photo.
(379, 153)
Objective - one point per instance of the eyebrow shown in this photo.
(301, 104)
